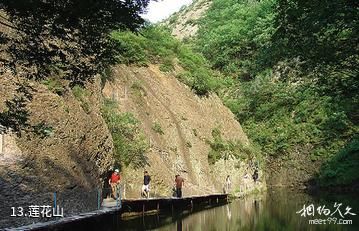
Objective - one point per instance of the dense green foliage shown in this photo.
(343, 169)
(329, 37)
(294, 66)
(155, 44)
(128, 139)
(235, 35)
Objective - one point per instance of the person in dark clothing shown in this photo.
(179, 182)
(106, 185)
(146, 185)
(255, 176)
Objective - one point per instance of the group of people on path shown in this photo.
(115, 180)
(228, 184)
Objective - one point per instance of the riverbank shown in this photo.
(334, 189)
(251, 189)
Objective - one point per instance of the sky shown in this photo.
(157, 11)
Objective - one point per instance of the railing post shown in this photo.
(99, 197)
(2, 139)
(116, 193)
(124, 191)
(1, 143)
(55, 200)
(120, 197)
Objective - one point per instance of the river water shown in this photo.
(277, 209)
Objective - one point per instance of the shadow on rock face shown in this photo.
(76, 186)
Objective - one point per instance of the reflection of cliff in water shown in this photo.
(275, 210)
(244, 213)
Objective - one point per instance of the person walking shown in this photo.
(106, 183)
(146, 184)
(255, 176)
(114, 181)
(179, 182)
(227, 185)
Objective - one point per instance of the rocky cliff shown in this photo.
(184, 24)
(187, 122)
(68, 156)
(76, 148)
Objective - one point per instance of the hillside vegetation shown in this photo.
(154, 44)
(293, 88)
(287, 69)
(295, 67)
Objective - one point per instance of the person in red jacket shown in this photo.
(114, 181)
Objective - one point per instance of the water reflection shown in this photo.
(275, 210)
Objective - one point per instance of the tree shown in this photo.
(67, 38)
(324, 35)
(324, 32)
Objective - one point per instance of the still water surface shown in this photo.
(275, 210)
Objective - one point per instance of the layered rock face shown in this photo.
(184, 24)
(187, 122)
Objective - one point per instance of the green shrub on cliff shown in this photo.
(129, 141)
(54, 85)
(156, 127)
(81, 95)
(227, 149)
(154, 44)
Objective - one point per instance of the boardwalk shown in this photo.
(128, 208)
(136, 207)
